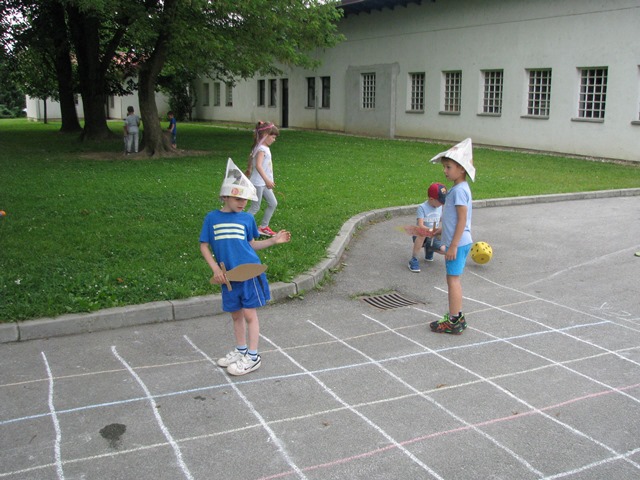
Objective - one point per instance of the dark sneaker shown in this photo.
(414, 265)
(445, 325)
(244, 365)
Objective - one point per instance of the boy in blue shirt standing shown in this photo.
(457, 163)
(229, 236)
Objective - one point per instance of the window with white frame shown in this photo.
(228, 97)
(416, 86)
(326, 92)
(205, 94)
(311, 92)
(273, 92)
(539, 92)
(492, 91)
(593, 92)
(452, 92)
(216, 94)
(261, 93)
(368, 91)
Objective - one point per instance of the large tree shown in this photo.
(224, 39)
(36, 40)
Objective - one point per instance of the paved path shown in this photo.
(545, 382)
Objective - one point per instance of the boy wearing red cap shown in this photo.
(428, 215)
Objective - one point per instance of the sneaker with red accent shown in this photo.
(266, 231)
(445, 325)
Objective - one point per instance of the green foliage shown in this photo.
(91, 229)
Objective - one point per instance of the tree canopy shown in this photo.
(148, 40)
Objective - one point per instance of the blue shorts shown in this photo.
(252, 293)
(456, 267)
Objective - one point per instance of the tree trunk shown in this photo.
(155, 142)
(64, 73)
(85, 33)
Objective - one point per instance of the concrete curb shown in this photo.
(196, 307)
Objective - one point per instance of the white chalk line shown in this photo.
(324, 412)
(154, 408)
(550, 328)
(580, 265)
(272, 435)
(321, 413)
(56, 423)
(554, 362)
(363, 417)
(516, 398)
(551, 302)
(186, 362)
(298, 374)
(584, 468)
(609, 387)
(513, 454)
(198, 360)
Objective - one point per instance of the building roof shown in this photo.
(353, 7)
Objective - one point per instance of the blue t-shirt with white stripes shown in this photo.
(229, 234)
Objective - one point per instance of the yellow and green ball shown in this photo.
(481, 252)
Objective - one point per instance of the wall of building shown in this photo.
(470, 36)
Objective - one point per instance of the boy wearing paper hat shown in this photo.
(457, 163)
(229, 236)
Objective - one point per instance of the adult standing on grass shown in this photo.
(260, 171)
(457, 163)
(132, 128)
(229, 236)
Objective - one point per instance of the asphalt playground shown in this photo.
(543, 384)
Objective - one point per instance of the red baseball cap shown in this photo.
(437, 191)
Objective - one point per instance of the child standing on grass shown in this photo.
(229, 236)
(131, 130)
(260, 171)
(428, 215)
(173, 128)
(456, 230)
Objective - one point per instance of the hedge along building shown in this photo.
(543, 75)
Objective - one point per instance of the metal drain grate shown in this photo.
(389, 301)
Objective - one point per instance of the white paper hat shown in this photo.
(461, 153)
(236, 184)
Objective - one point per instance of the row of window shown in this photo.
(591, 101)
(217, 94)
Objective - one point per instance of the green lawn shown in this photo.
(87, 228)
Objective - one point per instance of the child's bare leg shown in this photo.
(417, 246)
(239, 327)
(454, 286)
(253, 327)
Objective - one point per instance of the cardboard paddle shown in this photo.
(416, 230)
(241, 273)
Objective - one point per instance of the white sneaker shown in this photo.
(229, 358)
(244, 365)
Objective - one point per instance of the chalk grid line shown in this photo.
(619, 390)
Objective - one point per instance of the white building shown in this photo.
(116, 107)
(559, 76)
